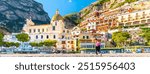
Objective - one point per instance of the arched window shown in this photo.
(83, 37)
(54, 36)
(38, 30)
(53, 28)
(30, 30)
(34, 30)
(47, 36)
(87, 37)
(36, 36)
(42, 30)
(41, 36)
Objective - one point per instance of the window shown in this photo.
(56, 23)
(63, 42)
(36, 36)
(136, 16)
(41, 36)
(53, 28)
(38, 30)
(87, 37)
(42, 30)
(34, 30)
(47, 36)
(63, 31)
(68, 31)
(68, 41)
(30, 30)
(144, 14)
(71, 42)
(63, 36)
(83, 37)
(97, 23)
(54, 36)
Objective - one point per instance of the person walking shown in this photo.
(98, 47)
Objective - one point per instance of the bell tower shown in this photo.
(57, 11)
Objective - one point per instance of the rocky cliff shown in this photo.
(14, 12)
(76, 18)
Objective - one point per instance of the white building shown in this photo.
(10, 37)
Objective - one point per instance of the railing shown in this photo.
(104, 50)
(138, 49)
(131, 49)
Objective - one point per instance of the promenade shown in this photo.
(78, 55)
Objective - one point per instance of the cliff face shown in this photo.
(14, 12)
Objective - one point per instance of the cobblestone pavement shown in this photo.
(78, 55)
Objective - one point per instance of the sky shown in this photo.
(64, 6)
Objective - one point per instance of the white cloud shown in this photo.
(70, 1)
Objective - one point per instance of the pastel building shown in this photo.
(83, 39)
(108, 19)
(135, 18)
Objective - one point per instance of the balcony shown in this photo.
(86, 40)
(63, 42)
(143, 21)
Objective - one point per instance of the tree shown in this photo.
(34, 44)
(23, 37)
(47, 43)
(9, 44)
(1, 39)
(121, 38)
(146, 34)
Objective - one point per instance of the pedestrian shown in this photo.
(98, 46)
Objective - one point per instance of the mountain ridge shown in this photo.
(14, 13)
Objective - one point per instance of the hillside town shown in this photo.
(103, 24)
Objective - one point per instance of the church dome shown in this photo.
(57, 16)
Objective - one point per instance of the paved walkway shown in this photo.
(78, 55)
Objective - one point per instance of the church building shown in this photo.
(56, 30)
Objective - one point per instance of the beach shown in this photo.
(78, 55)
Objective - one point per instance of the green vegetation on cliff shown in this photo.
(74, 18)
(116, 4)
(102, 1)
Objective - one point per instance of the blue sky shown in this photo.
(64, 6)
